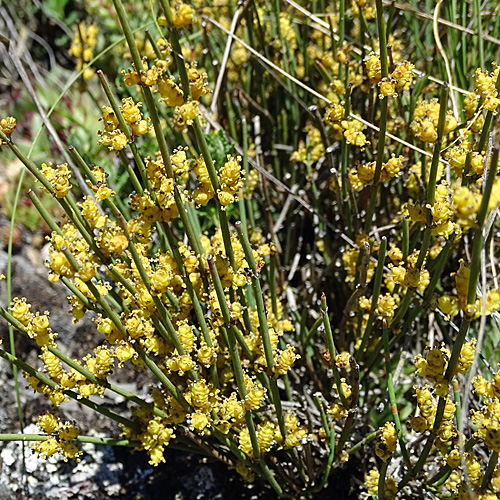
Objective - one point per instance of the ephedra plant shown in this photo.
(306, 202)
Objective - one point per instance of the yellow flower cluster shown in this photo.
(457, 156)
(350, 260)
(446, 433)
(364, 173)
(390, 485)
(268, 435)
(488, 389)
(153, 434)
(313, 150)
(58, 178)
(386, 444)
(37, 325)
(231, 180)
(82, 47)
(366, 7)
(71, 242)
(159, 205)
(60, 437)
(353, 133)
(433, 368)
(488, 421)
(100, 366)
(486, 88)
(451, 304)
(204, 192)
(185, 114)
(7, 126)
(425, 121)
(101, 189)
(198, 82)
(400, 78)
(405, 274)
(183, 15)
(113, 135)
(337, 410)
(186, 109)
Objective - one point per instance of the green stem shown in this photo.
(456, 395)
(81, 439)
(248, 197)
(406, 238)
(492, 463)
(431, 187)
(235, 356)
(266, 341)
(332, 351)
(479, 32)
(377, 283)
(392, 397)
(381, 481)
(360, 444)
(263, 327)
(383, 117)
(72, 394)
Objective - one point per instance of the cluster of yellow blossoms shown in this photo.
(268, 434)
(113, 135)
(433, 367)
(60, 437)
(390, 486)
(156, 310)
(157, 76)
(363, 174)
(82, 47)
(7, 126)
(452, 304)
(209, 404)
(400, 78)
(58, 177)
(38, 328)
(312, 151)
(425, 121)
(230, 178)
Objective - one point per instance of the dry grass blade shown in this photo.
(444, 22)
(439, 45)
(222, 71)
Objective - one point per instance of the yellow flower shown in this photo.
(386, 445)
(58, 178)
(183, 15)
(7, 125)
(403, 75)
(387, 88)
(373, 67)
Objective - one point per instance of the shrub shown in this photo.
(211, 266)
